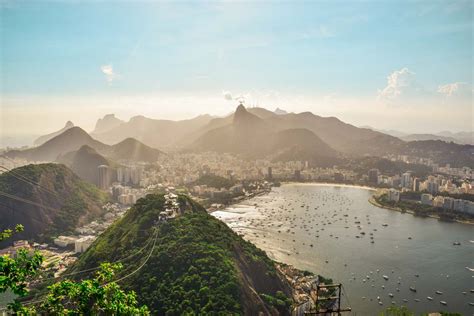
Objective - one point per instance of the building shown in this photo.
(394, 195)
(416, 184)
(406, 180)
(432, 187)
(438, 201)
(104, 179)
(64, 241)
(426, 199)
(270, 173)
(83, 243)
(448, 203)
(373, 176)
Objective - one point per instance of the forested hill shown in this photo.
(54, 200)
(196, 264)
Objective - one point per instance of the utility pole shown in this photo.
(331, 309)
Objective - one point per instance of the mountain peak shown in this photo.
(241, 115)
(107, 123)
(279, 111)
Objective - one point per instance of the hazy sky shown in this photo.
(404, 65)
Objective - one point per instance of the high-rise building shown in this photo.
(269, 173)
(416, 184)
(104, 177)
(373, 176)
(406, 180)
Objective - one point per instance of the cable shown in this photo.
(27, 201)
(97, 268)
(139, 268)
(29, 181)
(33, 302)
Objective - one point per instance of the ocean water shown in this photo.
(319, 228)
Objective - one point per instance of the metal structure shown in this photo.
(330, 305)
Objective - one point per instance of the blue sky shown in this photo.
(174, 60)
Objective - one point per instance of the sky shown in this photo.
(403, 65)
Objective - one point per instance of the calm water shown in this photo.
(287, 221)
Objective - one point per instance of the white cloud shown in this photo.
(108, 71)
(397, 83)
(227, 95)
(452, 89)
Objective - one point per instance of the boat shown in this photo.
(390, 294)
(439, 292)
(385, 277)
(456, 243)
(429, 298)
(412, 288)
(443, 302)
(417, 300)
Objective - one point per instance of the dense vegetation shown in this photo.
(214, 181)
(385, 166)
(196, 266)
(98, 296)
(61, 200)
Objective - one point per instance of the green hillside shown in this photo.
(62, 201)
(198, 264)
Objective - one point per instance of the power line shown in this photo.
(26, 201)
(140, 267)
(33, 302)
(98, 267)
(29, 181)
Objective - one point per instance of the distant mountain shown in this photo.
(63, 201)
(414, 137)
(303, 145)
(441, 152)
(132, 150)
(74, 138)
(253, 136)
(43, 139)
(212, 268)
(279, 111)
(462, 138)
(107, 123)
(84, 163)
(154, 133)
(70, 140)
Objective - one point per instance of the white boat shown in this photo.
(439, 292)
(443, 302)
(430, 298)
(385, 277)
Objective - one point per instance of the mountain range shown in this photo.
(462, 138)
(74, 138)
(249, 132)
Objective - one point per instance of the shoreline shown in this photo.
(396, 209)
(371, 200)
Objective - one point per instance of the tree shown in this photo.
(98, 296)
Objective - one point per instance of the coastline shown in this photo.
(396, 209)
(333, 185)
(371, 200)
